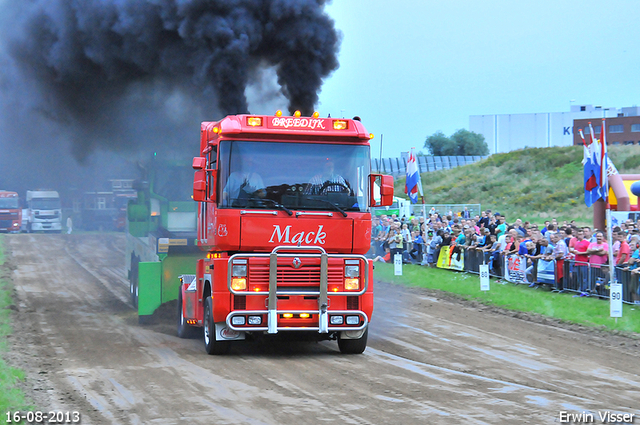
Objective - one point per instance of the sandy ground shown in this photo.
(431, 359)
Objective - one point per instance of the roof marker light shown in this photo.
(340, 125)
(254, 121)
(316, 114)
(278, 113)
(370, 135)
(297, 114)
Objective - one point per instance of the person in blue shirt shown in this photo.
(416, 251)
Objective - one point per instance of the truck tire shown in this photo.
(184, 330)
(353, 346)
(210, 344)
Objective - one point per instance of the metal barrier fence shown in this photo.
(444, 209)
(567, 275)
(426, 163)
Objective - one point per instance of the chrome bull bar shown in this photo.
(272, 311)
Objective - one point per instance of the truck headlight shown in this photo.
(239, 283)
(255, 320)
(352, 271)
(351, 275)
(353, 320)
(239, 270)
(239, 275)
(351, 284)
(237, 320)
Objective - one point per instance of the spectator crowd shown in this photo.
(419, 240)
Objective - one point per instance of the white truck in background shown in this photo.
(44, 212)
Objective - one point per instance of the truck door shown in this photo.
(205, 212)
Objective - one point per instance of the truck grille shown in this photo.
(353, 303)
(239, 302)
(46, 217)
(5, 224)
(304, 277)
(8, 216)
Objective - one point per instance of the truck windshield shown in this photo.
(45, 203)
(307, 176)
(8, 202)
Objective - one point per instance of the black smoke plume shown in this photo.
(121, 74)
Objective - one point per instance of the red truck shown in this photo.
(10, 212)
(284, 216)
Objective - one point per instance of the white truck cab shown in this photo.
(44, 212)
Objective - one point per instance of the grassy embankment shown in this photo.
(533, 184)
(590, 311)
(11, 397)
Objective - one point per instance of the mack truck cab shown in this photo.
(284, 218)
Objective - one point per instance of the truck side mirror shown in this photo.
(199, 163)
(381, 190)
(199, 179)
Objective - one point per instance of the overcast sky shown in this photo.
(420, 66)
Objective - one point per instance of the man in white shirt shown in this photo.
(243, 184)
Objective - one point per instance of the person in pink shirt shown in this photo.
(598, 251)
(598, 255)
(581, 264)
(623, 253)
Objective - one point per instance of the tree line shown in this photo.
(462, 142)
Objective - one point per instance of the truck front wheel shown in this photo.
(353, 346)
(210, 343)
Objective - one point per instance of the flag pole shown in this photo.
(381, 136)
(604, 175)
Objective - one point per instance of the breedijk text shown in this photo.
(311, 123)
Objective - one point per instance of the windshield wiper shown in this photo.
(335, 207)
(277, 205)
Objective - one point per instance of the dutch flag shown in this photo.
(413, 185)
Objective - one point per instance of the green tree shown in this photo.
(462, 142)
(469, 143)
(440, 145)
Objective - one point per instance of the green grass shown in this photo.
(591, 312)
(11, 397)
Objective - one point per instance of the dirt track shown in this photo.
(430, 360)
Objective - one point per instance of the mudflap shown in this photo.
(149, 288)
(223, 333)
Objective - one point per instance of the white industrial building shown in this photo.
(508, 132)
